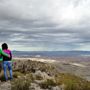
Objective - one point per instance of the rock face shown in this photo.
(5, 86)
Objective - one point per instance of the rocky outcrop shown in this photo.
(35, 75)
(38, 73)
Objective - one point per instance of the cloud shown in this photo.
(45, 25)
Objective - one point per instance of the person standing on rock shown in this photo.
(7, 61)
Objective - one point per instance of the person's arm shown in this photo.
(1, 52)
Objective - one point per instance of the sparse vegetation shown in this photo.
(23, 80)
(16, 74)
(72, 82)
(21, 84)
(38, 77)
(47, 84)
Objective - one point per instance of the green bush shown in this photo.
(21, 84)
(16, 74)
(30, 77)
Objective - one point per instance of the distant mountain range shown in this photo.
(50, 53)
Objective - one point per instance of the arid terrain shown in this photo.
(48, 74)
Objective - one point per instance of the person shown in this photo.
(7, 61)
(4, 54)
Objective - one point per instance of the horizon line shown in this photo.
(53, 51)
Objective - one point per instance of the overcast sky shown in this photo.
(41, 25)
